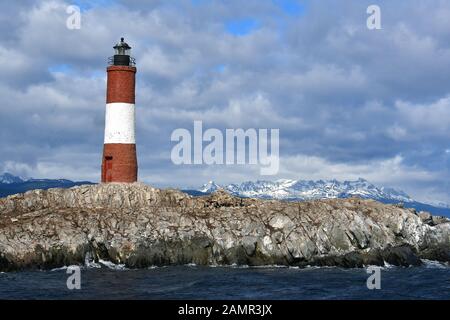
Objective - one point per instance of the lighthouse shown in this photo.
(119, 162)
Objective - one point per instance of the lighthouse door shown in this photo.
(108, 169)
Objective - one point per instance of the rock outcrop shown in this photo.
(140, 226)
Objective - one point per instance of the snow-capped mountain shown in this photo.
(10, 184)
(209, 187)
(322, 189)
(8, 178)
(308, 190)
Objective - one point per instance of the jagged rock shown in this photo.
(140, 226)
(427, 218)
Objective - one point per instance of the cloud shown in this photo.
(349, 102)
(430, 119)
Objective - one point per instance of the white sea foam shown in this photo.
(432, 264)
(238, 266)
(246, 266)
(270, 266)
(310, 267)
(155, 267)
(112, 265)
(92, 264)
(60, 268)
(190, 265)
(388, 265)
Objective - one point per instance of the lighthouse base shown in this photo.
(119, 163)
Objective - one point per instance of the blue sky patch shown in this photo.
(241, 27)
(60, 68)
(220, 68)
(89, 4)
(199, 2)
(290, 7)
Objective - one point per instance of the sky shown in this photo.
(349, 102)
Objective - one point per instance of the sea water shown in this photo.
(430, 281)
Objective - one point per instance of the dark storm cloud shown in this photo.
(349, 101)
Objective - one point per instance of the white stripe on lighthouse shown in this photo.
(120, 122)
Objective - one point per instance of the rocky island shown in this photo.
(140, 226)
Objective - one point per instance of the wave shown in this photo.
(112, 265)
(91, 264)
(433, 264)
(190, 265)
(59, 269)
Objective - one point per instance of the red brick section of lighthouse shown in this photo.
(119, 162)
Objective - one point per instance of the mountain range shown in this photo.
(290, 190)
(299, 190)
(10, 184)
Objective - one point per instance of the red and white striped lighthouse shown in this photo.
(119, 162)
